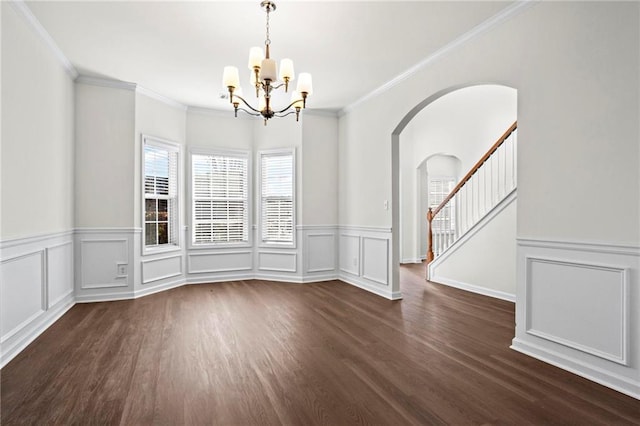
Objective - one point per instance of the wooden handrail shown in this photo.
(475, 168)
(432, 213)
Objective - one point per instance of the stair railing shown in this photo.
(491, 179)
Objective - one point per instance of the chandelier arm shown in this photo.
(280, 115)
(247, 104)
(255, 114)
(276, 86)
(287, 107)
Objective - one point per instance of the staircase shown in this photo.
(482, 190)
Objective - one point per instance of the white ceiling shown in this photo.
(178, 49)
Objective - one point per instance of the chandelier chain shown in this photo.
(267, 41)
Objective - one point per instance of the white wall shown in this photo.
(484, 261)
(575, 68)
(105, 157)
(319, 170)
(37, 134)
(37, 196)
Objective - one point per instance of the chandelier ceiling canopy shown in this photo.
(266, 79)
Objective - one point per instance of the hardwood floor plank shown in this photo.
(267, 353)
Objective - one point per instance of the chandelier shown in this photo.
(264, 77)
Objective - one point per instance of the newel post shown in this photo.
(429, 237)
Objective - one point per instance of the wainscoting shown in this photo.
(36, 287)
(105, 265)
(365, 259)
(578, 307)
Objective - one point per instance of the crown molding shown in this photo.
(158, 97)
(106, 82)
(508, 12)
(320, 112)
(23, 10)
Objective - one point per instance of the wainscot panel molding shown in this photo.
(277, 261)
(578, 307)
(161, 268)
(36, 284)
(375, 255)
(365, 259)
(105, 263)
(220, 261)
(350, 254)
(319, 252)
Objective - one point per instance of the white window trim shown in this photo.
(170, 146)
(250, 227)
(274, 244)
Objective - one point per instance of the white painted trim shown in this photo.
(43, 290)
(47, 249)
(158, 288)
(363, 256)
(12, 242)
(161, 98)
(588, 371)
(46, 320)
(356, 270)
(474, 288)
(106, 82)
(220, 252)
(364, 285)
(23, 10)
(364, 228)
(580, 246)
(317, 227)
(159, 259)
(624, 314)
(486, 219)
(83, 285)
(306, 256)
(499, 18)
(217, 278)
(320, 112)
(279, 253)
(308, 279)
(412, 260)
(114, 230)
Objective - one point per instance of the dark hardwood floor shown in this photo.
(258, 352)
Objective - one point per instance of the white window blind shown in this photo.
(220, 199)
(276, 204)
(160, 194)
(439, 189)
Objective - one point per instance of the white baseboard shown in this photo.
(371, 288)
(158, 288)
(17, 343)
(605, 378)
(474, 288)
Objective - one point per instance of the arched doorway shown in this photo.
(462, 122)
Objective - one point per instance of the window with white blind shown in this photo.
(277, 204)
(439, 188)
(160, 229)
(220, 198)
